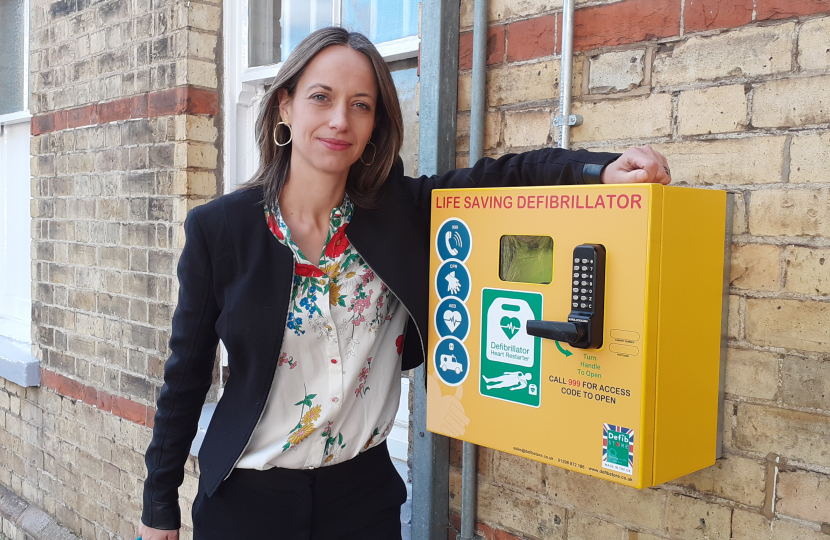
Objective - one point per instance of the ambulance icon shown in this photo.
(449, 361)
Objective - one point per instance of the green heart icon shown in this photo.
(510, 326)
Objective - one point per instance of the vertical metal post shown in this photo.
(565, 120)
(478, 106)
(478, 101)
(436, 155)
(724, 328)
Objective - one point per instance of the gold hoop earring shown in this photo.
(290, 133)
(374, 154)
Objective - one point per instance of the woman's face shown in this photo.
(332, 112)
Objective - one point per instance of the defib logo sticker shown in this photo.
(618, 448)
(511, 367)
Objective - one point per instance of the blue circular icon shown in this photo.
(452, 363)
(453, 279)
(452, 318)
(454, 240)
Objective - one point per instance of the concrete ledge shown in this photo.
(17, 363)
(30, 519)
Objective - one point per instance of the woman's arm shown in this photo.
(187, 379)
(547, 166)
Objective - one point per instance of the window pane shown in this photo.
(299, 19)
(381, 20)
(263, 32)
(526, 259)
(11, 56)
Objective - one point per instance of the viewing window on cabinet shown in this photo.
(275, 27)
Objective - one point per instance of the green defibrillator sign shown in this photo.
(510, 358)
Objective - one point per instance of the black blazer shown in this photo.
(235, 283)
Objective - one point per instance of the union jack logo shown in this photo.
(606, 428)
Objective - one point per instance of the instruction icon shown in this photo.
(454, 240)
(452, 318)
(453, 279)
(452, 362)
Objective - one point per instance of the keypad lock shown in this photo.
(584, 327)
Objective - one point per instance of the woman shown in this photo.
(314, 276)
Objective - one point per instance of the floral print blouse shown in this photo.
(337, 385)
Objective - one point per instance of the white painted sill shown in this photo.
(17, 363)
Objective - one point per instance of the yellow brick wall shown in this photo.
(743, 106)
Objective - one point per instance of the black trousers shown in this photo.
(358, 499)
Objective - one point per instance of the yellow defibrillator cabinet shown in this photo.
(580, 326)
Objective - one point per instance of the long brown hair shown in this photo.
(364, 182)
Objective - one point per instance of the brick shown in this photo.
(794, 435)
(792, 102)
(583, 527)
(732, 477)
(778, 212)
(810, 158)
(499, 10)
(137, 387)
(756, 267)
(700, 15)
(111, 12)
(528, 128)
(784, 9)
(807, 271)
(806, 383)
(649, 116)
(814, 44)
(202, 16)
(751, 373)
(201, 156)
(788, 323)
(640, 507)
(712, 110)
(518, 471)
(195, 128)
(786, 530)
(629, 21)
(524, 83)
(804, 494)
(196, 72)
(494, 48)
(129, 410)
(492, 133)
(693, 519)
(79, 117)
(531, 38)
(140, 336)
(201, 45)
(747, 52)
(616, 71)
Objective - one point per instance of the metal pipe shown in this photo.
(564, 121)
(469, 486)
(436, 155)
(478, 103)
(469, 489)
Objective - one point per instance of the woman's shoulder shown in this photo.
(245, 200)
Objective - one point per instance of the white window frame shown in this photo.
(16, 361)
